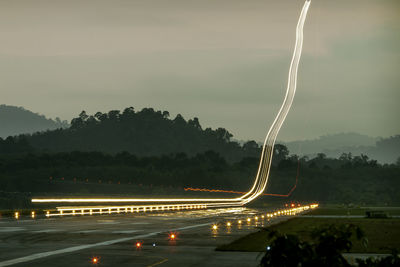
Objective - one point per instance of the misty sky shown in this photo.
(224, 61)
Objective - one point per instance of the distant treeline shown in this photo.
(385, 150)
(144, 133)
(347, 179)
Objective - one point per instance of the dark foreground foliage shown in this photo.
(326, 248)
(392, 260)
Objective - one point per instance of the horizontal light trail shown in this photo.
(261, 179)
(237, 192)
(258, 217)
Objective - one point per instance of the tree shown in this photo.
(333, 240)
(321, 156)
(195, 123)
(165, 114)
(113, 115)
(392, 260)
(287, 251)
(280, 153)
(83, 116)
(346, 157)
(223, 134)
(79, 122)
(76, 123)
(179, 120)
(128, 112)
(326, 250)
(250, 146)
(101, 116)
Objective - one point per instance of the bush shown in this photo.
(326, 249)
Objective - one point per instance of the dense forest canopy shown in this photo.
(144, 133)
(347, 179)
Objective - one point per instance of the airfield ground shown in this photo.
(111, 239)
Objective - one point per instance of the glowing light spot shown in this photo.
(240, 222)
(16, 215)
(214, 227)
(33, 214)
(95, 260)
(228, 224)
(248, 219)
(138, 245)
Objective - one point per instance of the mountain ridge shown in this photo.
(18, 120)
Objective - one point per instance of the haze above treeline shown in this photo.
(44, 133)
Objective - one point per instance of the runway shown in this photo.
(264, 167)
(112, 239)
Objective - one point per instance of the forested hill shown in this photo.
(17, 120)
(144, 133)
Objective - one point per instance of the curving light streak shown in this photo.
(266, 156)
(238, 192)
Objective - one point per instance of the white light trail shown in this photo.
(261, 179)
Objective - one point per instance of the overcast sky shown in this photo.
(224, 61)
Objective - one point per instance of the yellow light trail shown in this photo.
(261, 179)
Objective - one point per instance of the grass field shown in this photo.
(382, 234)
(337, 210)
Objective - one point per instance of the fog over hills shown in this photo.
(17, 120)
(385, 150)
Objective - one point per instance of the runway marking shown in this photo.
(81, 247)
(11, 229)
(87, 231)
(107, 222)
(158, 263)
(125, 231)
(48, 231)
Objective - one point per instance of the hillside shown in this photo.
(385, 150)
(330, 142)
(153, 133)
(144, 133)
(17, 120)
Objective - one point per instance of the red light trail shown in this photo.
(242, 193)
